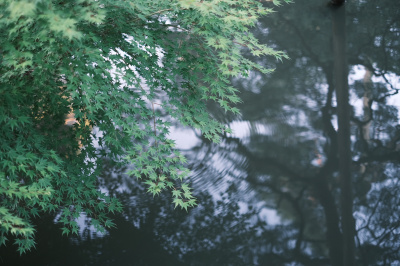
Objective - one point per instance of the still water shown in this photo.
(269, 194)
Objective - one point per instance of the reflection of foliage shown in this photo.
(290, 157)
(215, 233)
(379, 226)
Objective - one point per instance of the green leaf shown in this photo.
(70, 67)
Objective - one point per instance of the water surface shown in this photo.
(269, 194)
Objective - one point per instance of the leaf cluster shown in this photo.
(108, 63)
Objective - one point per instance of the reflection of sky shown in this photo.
(357, 73)
(187, 139)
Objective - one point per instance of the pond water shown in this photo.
(270, 193)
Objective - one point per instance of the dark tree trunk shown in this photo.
(344, 151)
(333, 234)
